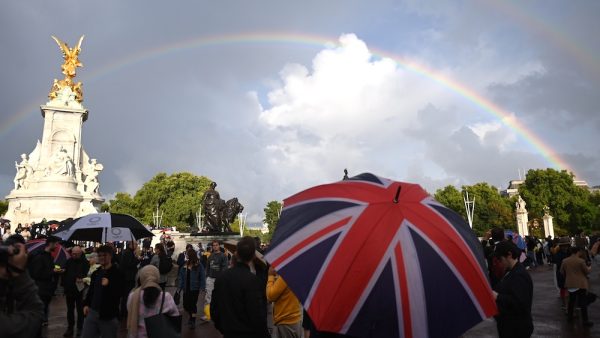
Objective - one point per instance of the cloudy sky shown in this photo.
(270, 97)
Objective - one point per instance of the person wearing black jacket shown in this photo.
(21, 309)
(101, 306)
(41, 269)
(128, 264)
(76, 269)
(514, 294)
(238, 306)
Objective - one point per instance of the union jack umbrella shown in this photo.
(370, 257)
(59, 253)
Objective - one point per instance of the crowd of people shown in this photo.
(108, 285)
(513, 287)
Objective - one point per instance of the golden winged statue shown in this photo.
(69, 69)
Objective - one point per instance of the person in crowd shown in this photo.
(216, 264)
(287, 313)
(41, 269)
(513, 294)
(76, 269)
(101, 305)
(93, 261)
(583, 243)
(238, 308)
(21, 309)
(128, 264)
(191, 280)
(576, 272)
(145, 301)
(530, 242)
(160, 258)
(6, 234)
(26, 233)
(182, 258)
(495, 269)
(559, 252)
(170, 248)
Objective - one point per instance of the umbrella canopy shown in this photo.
(104, 227)
(370, 257)
(59, 253)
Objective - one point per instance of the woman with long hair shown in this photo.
(160, 254)
(191, 281)
(145, 300)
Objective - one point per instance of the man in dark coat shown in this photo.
(41, 269)
(128, 264)
(238, 306)
(101, 306)
(76, 269)
(514, 294)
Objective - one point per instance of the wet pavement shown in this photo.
(549, 319)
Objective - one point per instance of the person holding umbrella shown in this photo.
(41, 269)
(101, 306)
(513, 293)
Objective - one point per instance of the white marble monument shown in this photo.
(522, 217)
(58, 179)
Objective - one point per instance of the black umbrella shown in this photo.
(104, 227)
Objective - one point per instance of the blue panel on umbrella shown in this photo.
(295, 218)
(366, 177)
(300, 274)
(450, 311)
(378, 316)
(465, 232)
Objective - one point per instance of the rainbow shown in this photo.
(532, 23)
(460, 89)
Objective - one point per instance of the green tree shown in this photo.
(178, 196)
(272, 212)
(491, 209)
(451, 198)
(3, 207)
(122, 204)
(571, 206)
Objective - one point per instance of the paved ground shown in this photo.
(549, 319)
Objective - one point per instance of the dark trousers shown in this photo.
(46, 300)
(190, 299)
(580, 297)
(74, 302)
(129, 285)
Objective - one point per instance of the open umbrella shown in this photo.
(104, 227)
(59, 253)
(370, 257)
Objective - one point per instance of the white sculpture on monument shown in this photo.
(548, 224)
(522, 217)
(57, 179)
(91, 178)
(24, 172)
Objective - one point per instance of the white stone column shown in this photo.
(548, 226)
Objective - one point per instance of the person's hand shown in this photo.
(272, 271)
(495, 294)
(86, 310)
(104, 281)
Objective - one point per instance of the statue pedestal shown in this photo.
(548, 226)
(522, 223)
(51, 183)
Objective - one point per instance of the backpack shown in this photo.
(165, 264)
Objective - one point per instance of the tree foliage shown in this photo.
(3, 207)
(177, 196)
(272, 212)
(573, 208)
(491, 209)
